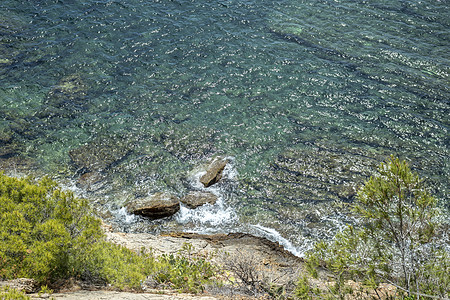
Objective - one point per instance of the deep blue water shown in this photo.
(305, 98)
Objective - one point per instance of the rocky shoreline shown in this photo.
(269, 258)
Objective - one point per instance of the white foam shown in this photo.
(207, 215)
(122, 215)
(274, 235)
(218, 215)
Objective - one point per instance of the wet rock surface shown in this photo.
(195, 199)
(156, 206)
(214, 172)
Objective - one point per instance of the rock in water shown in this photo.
(195, 199)
(214, 172)
(159, 205)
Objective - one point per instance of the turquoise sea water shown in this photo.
(305, 98)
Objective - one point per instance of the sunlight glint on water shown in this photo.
(307, 97)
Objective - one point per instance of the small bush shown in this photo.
(185, 272)
(7, 293)
(251, 277)
(115, 265)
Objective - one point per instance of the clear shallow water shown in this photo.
(306, 97)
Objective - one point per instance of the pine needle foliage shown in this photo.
(49, 234)
(398, 239)
(43, 230)
(7, 293)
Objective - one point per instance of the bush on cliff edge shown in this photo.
(43, 230)
(48, 234)
(398, 241)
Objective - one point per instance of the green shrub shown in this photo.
(185, 272)
(117, 265)
(48, 234)
(397, 240)
(43, 231)
(7, 293)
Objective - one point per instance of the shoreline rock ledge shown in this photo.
(156, 206)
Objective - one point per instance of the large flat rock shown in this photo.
(156, 206)
(195, 199)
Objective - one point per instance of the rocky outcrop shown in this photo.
(195, 199)
(270, 257)
(214, 172)
(157, 206)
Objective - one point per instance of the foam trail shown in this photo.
(122, 215)
(210, 217)
(272, 234)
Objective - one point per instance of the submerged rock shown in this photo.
(319, 173)
(91, 181)
(8, 145)
(100, 154)
(195, 199)
(214, 172)
(6, 134)
(189, 143)
(69, 91)
(9, 150)
(159, 205)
